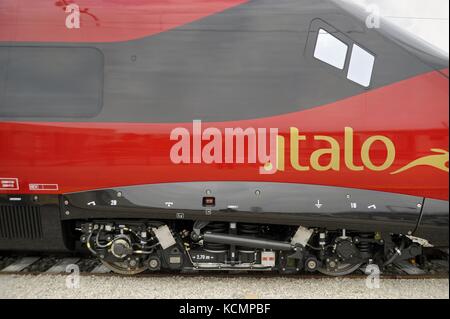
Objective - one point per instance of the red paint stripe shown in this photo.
(101, 21)
(83, 156)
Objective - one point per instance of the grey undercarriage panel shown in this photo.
(278, 203)
(434, 222)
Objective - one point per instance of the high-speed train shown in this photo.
(188, 135)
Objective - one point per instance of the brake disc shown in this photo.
(341, 270)
(121, 267)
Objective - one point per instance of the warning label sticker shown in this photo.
(43, 187)
(9, 183)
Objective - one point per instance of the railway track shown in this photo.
(88, 266)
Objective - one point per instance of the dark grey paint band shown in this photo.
(243, 63)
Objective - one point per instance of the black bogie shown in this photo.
(129, 247)
(220, 241)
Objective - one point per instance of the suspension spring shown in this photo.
(365, 247)
(248, 229)
(216, 228)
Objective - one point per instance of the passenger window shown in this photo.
(330, 50)
(50, 82)
(361, 66)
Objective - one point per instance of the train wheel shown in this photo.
(123, 267)
(340, 270)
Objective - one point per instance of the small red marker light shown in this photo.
(209, 201)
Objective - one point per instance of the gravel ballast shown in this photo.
(203, 287)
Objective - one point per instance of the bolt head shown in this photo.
(312, 264)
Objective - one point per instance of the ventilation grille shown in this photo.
(20, 222)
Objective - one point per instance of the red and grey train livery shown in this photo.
(283, 135)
